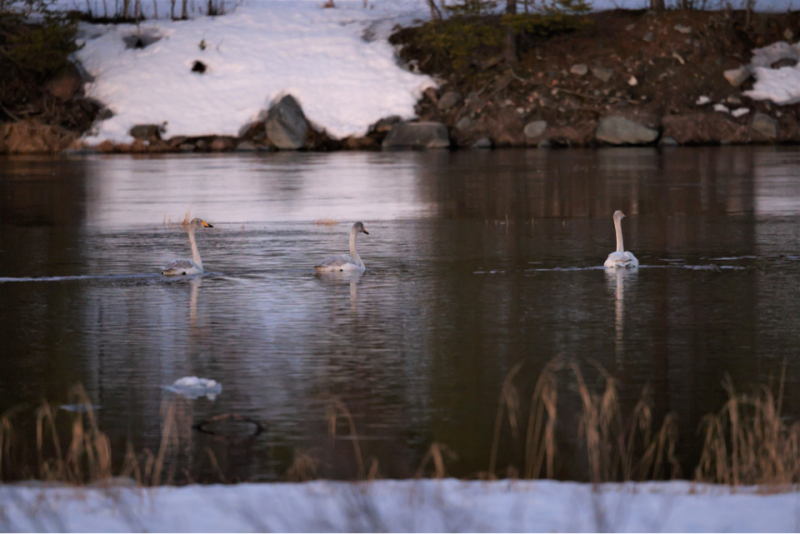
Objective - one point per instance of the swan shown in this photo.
(620, 258)
(344, 262)
(195, 265)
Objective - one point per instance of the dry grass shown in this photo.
(327, 221)
(748, 441)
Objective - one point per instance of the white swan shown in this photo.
(620, 258)
(195, 265)
(344, 262)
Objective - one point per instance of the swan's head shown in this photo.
(359, 227)
(618, 215)
(199, 223)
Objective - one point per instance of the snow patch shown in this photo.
(192, 387)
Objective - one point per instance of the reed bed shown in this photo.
(748, 442)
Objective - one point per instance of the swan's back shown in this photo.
(621, 260)
(339, 263)
(181, 267)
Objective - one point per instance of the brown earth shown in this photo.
(672, 68)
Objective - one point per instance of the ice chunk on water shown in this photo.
(193, 387)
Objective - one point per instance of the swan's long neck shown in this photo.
(195, 252)
(618, 227)
(353, 251)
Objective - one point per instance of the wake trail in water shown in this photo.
(152, 276)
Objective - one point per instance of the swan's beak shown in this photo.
(208, 225)
(623, 215)
(365, 231)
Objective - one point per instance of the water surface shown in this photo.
(476, 261)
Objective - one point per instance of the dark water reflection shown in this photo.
(476, 261)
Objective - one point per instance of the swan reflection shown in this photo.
(616, 280)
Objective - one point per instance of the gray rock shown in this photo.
(737, 77)
(245, 146)
(464, 123)
(683, 29)
(535, 129)
(286, 124)
(579, 69)
(784, 62)
(648, 37)
(621, 131)
(385, 124)
(765, 125)
(417, 135)
(448, 100)
(146, 132)
(602, 74)
(668, 141)
(483, 142)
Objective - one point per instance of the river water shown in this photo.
(476, 261)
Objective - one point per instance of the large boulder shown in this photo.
(286, 124)
(146, 132)
(622, 131)
(765, 125)
(417, 135)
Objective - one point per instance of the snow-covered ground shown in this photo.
(410, 505)
(336, 62)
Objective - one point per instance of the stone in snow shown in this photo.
(737, 77)
(448, 100)
(702, 100)
(765, 125)
(632, 81)
(579, 69)
(602, 74)
(418, 135)
(722, 108)
(535, 129)
(286, 124)
(740, 112)
(621, 131)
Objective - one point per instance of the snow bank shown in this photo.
(336, 62)
(782, 85)
(410, 505)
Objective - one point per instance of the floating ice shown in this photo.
(192, 387)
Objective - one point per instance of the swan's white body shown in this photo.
(193, 266)
(620, 258)
(345, 262)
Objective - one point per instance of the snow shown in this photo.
(739, 112)
(782, 85)
(409, 505)
(192, 387)
(335, 62)
(722, 108)
(702, 100)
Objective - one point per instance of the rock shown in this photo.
(201, 145)
(286, 124)
(737, 77)
(621, 131)
(186, 147)
(683, 29)
(740, 112)
(667, 141)
(464, 123)
(703, 128)
(431, 93)
(199, 67)
(630, 26)
(384, 125)
(483, 142)
(106, 147)
(632, 81)
(788, 34)
(702, 101)
(535, 129)
(146, 132)
(138, 146)
(648, 37)
(31, 138)
(158, 147)
(245, 146)
(448, 100)
(177, 141)
(417, 135)
(765, 125)
(722, 108)
(67, 85)
(602, 74)
(784, 62)
(221, 144)
(360, 143)
(472, 98)
(579, 69)
(733, 100)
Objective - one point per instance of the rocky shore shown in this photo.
(623, 78)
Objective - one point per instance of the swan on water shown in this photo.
(620, 258)
(195, 265)
(344, 262)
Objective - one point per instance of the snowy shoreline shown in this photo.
(406, 505)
